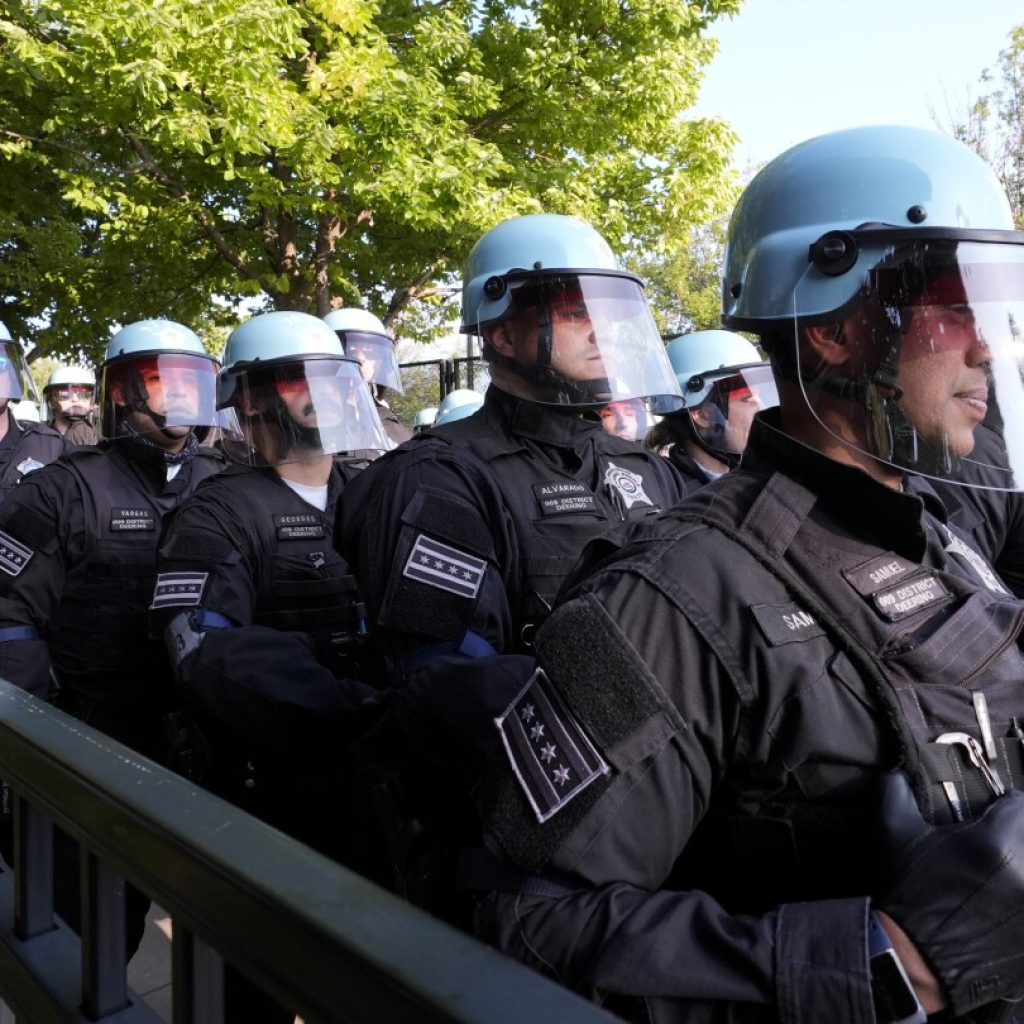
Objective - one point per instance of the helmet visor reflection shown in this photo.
(167, 389)
(931, 353)
(588, 339)
(305, 408)
(723, 420)
(376, 357)
(16, 383)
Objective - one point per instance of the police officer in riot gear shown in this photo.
(628, 419)
(24, 446)
(78, 554)
(70, 395)
(724, 382)
(770, 769)
(261, 616)
(365, 338)
(461, 538)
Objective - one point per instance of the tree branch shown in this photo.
(199, 214)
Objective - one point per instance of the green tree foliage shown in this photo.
(300, 154)
(993, 125)
(684, 284)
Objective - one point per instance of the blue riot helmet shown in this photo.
(724, 382)
(16, 383)
(156, 379)
(363, 336)
(457, 405)
(881, 268)
(296, 394)
(559, 322)
(424, 419)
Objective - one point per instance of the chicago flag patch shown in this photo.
(178, 589)
(444, 567)
(550, 754)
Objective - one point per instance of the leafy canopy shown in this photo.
(300, 154)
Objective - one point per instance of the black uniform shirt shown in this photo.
(474, 525)
(692, 473)
(77, 563)
(721, 831)
(247, 548)
(25, 448)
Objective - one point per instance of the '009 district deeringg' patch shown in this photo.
(550, 754)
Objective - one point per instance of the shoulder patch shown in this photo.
(446, 568)
(14, 556)
(551, 756)
(178, 589)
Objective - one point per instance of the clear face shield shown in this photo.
(377, 360)
(722, 421)
(73, 401)
(580, 340)
(302, 409)
(932, 350)
(168, 393)
(629, 419)
(16, 383)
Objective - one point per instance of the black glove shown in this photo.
(958, 892)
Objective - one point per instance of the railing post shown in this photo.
(103, 938)
(197, 978)
(33, 871)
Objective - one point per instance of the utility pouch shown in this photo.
(957, 788)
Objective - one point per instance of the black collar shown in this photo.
(562, 426)
(849, 495)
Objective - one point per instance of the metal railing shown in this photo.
(316, 937)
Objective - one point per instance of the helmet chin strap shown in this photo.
(731, 459)
(140, 403)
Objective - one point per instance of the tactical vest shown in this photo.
(37, 446)
(553, 513)
(98, 637)
(955, 670)
(305, 585)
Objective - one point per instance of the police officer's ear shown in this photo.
(117, 394)
(501, 338)
(701, 416)
(826, 344)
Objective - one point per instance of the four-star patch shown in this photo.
(178, 589)
(549, 752)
